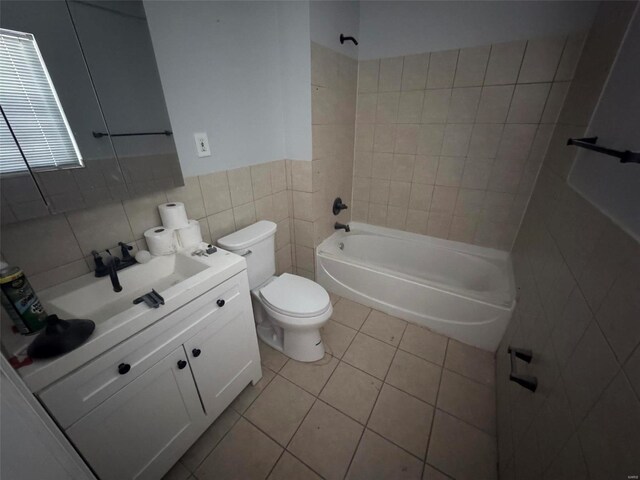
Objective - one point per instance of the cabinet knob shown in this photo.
(220, 303)
(124, 368)
(182, 364)
(196, 352)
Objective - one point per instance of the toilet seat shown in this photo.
(297, 297)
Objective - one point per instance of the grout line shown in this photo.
(433, 415)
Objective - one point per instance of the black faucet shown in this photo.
(113, 264)
(339, 226)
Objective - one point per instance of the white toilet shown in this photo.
(289, 310)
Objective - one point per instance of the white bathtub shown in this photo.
(461, 291)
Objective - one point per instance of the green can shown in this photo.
(21, 302)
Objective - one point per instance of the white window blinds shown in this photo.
(32, 109)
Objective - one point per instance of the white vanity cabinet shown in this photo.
(133, 411)
(139, 431)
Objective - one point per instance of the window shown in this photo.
(31, 110)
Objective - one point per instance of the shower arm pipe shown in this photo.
(344, 38)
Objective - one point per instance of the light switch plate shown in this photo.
(202, 144)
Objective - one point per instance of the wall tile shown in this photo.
(366, 108)
(384, 139)
(278, 176)
(382, 165)
(541, 60)
(191, 195)
(377, 214)
(589, 370)
(476, 173)
(390, 74)
(361, 188)
(570, 56)
(438, 225)
(403, 166)
(609, 434)
(387, 107)
(362, 164)
(399, 194)
(261, 180)
(244, 215)
(443, 200)
(417, 221)
(464, 105)
(504, 63)
(240, 186)
(301, 176)
(456, 139)
(410, 106)
(368, 71)
(555, 101)
(528, 102)
(436, 105)
(89, 227)
(462, 229)
(379, 191)
(264, 208)
(406, 138)
(215, 192)
(469, 203)
(420, 197)
(430, 139)
(450, 171)
(425, 169)
(494, 104)
(142, 213)
(364, 138)
(414, 72)
(46, 243)
(442, 69)
(485, 139)
(472, 65)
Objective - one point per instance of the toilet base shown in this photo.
(303, 346)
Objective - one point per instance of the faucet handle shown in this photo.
(124, 248)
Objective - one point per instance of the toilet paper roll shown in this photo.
(173, 215)
(190, 235)
(161, 241)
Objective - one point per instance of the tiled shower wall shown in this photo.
(57, 248)
(315, 184)
(578, 310)
(449, 143)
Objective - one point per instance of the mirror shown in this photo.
(101, 63)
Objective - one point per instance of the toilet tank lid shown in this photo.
(248, 236)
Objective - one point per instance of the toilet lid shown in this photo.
(296, 296)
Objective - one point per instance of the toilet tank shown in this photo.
(257, 245)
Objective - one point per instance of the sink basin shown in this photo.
(94, 299)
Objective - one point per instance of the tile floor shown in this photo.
(390, 400)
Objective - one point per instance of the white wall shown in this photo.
(331, 18)
(394, 28)
(221, 70)
(612, 186)
(295, 59)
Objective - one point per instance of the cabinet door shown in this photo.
(142, 430)
(224, 357)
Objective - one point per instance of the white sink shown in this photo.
(92, 298)
(178, 278)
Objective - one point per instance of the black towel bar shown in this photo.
(590, 144)
(100, 134)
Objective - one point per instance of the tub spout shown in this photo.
(339, 226)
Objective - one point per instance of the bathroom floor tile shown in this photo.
(245, 453)
(424, 343)
(271, 358)
(337, 338)
(352, 391)
(311, 376)
(251, 392)
(370, 355)
(209, 439)
(471, 362)
(403, 419)
(460, 450)
(350, 313)
(415, 376)
(380, 459)
(290, 468)
(468, 400)
(326, 441)
(279, 409)
(334, 298)
(384, 327)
